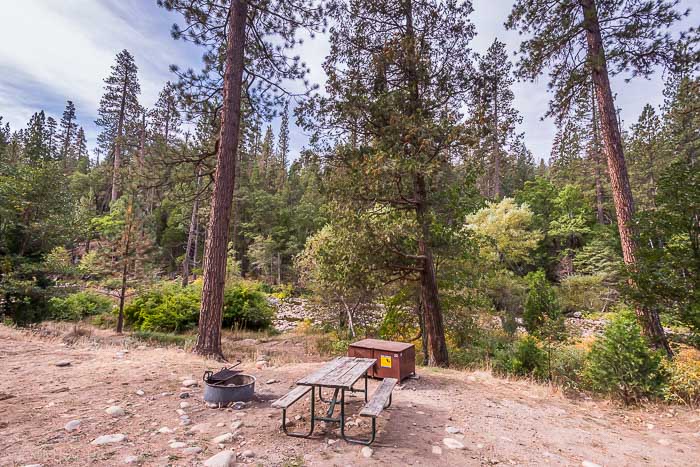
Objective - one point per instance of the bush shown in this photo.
(622, 365)
(481, 349)
(583, 293)
(247, 307)
(400, 321)
(567, 366)
(683, 385)
(523, 358)
(165, 307)
(542, 314)
(331, 343)
(79, 305)
(25, 289)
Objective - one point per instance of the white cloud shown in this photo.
(55, 50)
(62, 50)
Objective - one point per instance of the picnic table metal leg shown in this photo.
(349, 439)
(333, 401)
(313, 419)
(365, 387)
(320, 396)
(352, 388)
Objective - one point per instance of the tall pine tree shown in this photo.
(119, 115)
(493, 101)
(240, 36)
(398, 73)
(577, 41)
(68, 133)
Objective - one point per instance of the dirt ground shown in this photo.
(501, 422)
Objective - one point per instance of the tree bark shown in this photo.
(496, 145)
(432, 313)
(142, 143)
(430, 300)
(598, 173)
(209, 338)
(617, 168)
(191, 235)
(125, 265)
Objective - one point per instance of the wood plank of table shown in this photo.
(349, 378)
(312, 379)
(348, 363)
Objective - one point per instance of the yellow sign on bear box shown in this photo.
(385, 361)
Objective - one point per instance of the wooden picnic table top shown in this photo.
(342, 372)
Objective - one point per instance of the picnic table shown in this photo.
(340, 375)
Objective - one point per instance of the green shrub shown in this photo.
(583, 293)
(683, 386)
(165, 307)
(283, 291)
(79, 305)
(400, 321)
(330, 343)
(621, 364)
(507, 292)
(247, 307)
(481, 349)
(567, 366)
(25, 289)
(523, 358)
(541, 305)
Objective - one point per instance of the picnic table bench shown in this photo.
(340, 375)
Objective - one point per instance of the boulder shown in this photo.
(222, 459)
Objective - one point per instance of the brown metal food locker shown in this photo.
(393, 359)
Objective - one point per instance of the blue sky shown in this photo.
(55, 50)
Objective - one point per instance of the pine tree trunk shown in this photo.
(496, 147)
(209, 338)
(598, 172)
(125, 266)
(118, 143)
(142, 143)
(619, 179)
(191, 236)
(432, 312)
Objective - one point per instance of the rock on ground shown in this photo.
(437, 450)
(225, 438)
(192, 450)
(452, 443)
(115, 411)
(72, 425)
(367, 452)
(108, 439)
(222, 459)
